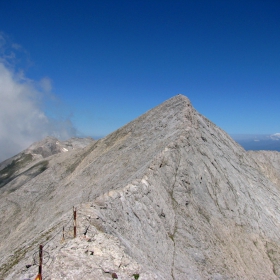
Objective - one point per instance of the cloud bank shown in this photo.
(22, 119)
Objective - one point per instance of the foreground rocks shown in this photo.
(168, 196)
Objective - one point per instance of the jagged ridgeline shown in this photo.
(168, 196)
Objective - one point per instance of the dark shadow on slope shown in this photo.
(9, 173)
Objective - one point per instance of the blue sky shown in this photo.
(107, 62)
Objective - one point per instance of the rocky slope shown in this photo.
(268, 163)
(29, 162)
(168, 196)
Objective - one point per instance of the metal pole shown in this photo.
(40, 259)
(75, 223)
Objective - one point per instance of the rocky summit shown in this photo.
(167, 196)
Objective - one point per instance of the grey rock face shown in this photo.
(168, 196)
(268, 163)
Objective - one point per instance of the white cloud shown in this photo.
(275, 136)
(46, 84)
(22, 121)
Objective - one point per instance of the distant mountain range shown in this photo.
(258, 142)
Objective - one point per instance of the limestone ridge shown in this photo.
(168, 196)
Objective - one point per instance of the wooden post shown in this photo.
(75, 221)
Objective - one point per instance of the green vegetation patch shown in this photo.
(37, 168)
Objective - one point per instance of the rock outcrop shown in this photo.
(168, 196)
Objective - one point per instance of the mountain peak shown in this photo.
(179, 97)
(167, 196)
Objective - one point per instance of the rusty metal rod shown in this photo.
(40, 259)
(75, 222)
